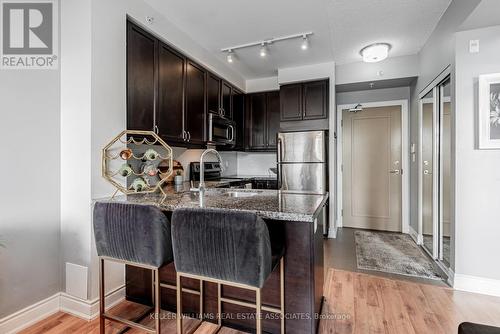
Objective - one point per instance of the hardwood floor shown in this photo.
(373, 304)
(355, 303)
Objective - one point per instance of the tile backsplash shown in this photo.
(234, 163)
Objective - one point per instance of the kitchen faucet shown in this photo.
(201, 187)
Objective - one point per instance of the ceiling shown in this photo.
(341, 28)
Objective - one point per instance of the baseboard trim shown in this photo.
(30, 315)
(89, 309)
(415, 236)
(332, 233)
(485, 286)
(60, 302)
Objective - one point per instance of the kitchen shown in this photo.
(191, 108)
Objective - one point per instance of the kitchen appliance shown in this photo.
(221, 131)
(303, 164)
(303, 161)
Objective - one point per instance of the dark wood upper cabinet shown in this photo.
(315, 99)
(291, 102)
(169, 118)
(194, 112)
(263, 121)
(304, 101)
(141, 78)
(273, 118)
(257, 122)
(213, 93)
(227, 100)
(239, 118)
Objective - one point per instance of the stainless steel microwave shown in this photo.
(221, 131)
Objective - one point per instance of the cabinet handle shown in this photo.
(183, 135)
(189, 136)
(155, 129)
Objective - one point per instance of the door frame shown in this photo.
(405, 157)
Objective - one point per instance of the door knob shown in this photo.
(395, 171)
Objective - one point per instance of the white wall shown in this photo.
(262, 84)
(29, 219)
(391, 68)
(374, 95)
(75, 134)
(30, 197)
(477, 218)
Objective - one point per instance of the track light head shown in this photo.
(263, 50)
(305, 43)
(230, 57)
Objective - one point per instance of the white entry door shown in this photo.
(372, 168)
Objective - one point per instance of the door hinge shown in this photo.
(341, 123)
(342, 213)
(342, 168)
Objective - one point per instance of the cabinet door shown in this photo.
(141, 88)
(291, 102)
(226, 100)
(315, 99)
(258, 120)
(170, 94)
(239, 118)
(194, 112)
(213, 94)
(273, 118)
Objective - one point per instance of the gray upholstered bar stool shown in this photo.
(226, 247)
(136, 235)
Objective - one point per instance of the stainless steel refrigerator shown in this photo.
(303, 165)
(302, 161)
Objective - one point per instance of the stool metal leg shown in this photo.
(219, 305)
(157, 291)
(201, 300)
(179, 304)
(282, 294)
(102, 321)
(258, 310)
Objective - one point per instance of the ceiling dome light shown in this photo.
(305, 43)
(230, 56)
(375, 52)
(263, 50)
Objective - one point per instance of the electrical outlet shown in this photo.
(474, 46)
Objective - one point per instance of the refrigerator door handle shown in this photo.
(278, 144)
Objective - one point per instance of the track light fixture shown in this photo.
(264, 51)
(230, 54)
(305, 43)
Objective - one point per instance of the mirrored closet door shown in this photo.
(435, 170)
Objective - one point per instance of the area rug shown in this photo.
(393, 253)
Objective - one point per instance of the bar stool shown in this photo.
(226, 247)
(136, 235)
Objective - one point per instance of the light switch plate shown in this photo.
(474, 46)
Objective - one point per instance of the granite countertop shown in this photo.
(268, 204)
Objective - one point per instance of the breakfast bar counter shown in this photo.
(295, 216)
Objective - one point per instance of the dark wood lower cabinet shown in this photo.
(304, 279)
